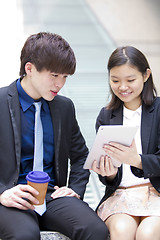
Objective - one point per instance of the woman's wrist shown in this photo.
(138, 162)
(111, 178)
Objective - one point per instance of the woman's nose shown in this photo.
(123, 87)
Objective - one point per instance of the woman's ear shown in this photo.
(147, 74)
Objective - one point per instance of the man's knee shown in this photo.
(18, 224)
(93, 230)
(99, 230)
(32, 234)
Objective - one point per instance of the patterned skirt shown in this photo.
(141, 200)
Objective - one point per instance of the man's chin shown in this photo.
(49, 98)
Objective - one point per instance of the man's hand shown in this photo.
(64, 192)
(19, 197)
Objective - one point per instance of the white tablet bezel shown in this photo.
(109, 133)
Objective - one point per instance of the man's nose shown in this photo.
(59, 83)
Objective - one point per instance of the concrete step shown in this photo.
(56, 236)
(53, 236)
(46, 235)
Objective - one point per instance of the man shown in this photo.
(46, 61)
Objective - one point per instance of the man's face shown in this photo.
(44, 84)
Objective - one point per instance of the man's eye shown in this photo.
(55, 75)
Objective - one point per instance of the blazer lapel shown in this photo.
(117, 116)
(14, 108)
(56, 120)
(146, 125)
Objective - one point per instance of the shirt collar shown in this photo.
(26, 101)
(127, 113)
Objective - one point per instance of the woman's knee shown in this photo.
(122, 226)
(145, 234)
(149, 229)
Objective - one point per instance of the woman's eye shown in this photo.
(114, 81)
(131, 80)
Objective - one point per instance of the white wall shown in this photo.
(11, 41)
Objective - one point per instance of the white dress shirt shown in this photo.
(132, 118)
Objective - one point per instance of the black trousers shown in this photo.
(67, 215)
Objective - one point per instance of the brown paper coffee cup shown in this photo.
(41, 188)
(38, 180)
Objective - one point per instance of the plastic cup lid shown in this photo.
(38, 177)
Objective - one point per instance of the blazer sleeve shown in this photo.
(151, 154)
(70, 147)
(78, 177)
(150, 136)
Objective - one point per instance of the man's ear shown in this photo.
(147, 74)
(28, 68)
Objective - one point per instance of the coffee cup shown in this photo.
(38, 180)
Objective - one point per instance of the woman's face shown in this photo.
(127, 84)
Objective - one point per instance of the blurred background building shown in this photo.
(94, 28)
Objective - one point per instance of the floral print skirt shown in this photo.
(141, 200)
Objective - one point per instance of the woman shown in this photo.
(131, 204)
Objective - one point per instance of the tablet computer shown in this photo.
(109, 133)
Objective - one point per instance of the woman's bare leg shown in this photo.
(149, 228)
(122, 226)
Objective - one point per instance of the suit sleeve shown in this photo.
(78, 177)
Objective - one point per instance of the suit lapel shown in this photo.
(146, 125)
(14, 108)
(117, 116)
(56, 120)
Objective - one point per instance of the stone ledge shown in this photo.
(56, 236)
(53, 236)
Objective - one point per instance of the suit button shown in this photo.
(14, 183)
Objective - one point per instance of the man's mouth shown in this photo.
(54, 93)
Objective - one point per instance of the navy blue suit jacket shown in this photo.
(150, 138)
